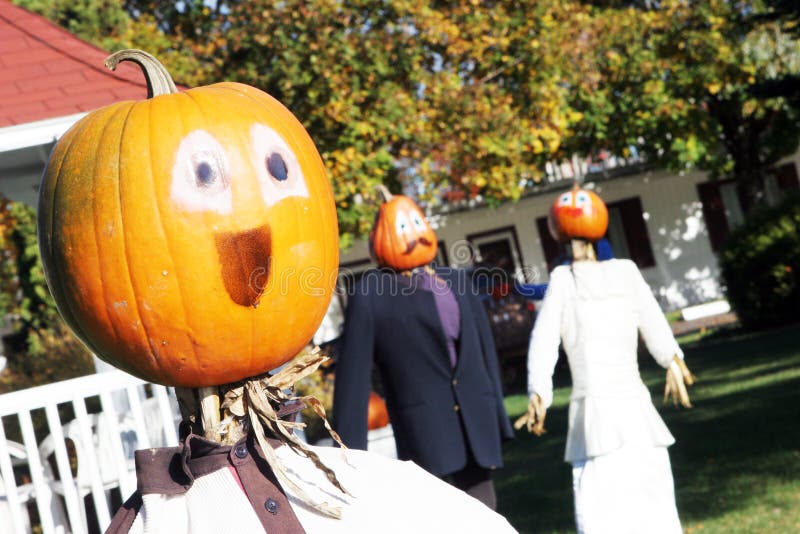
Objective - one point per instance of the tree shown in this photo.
(475, 96)
(444, 95)
(683, 83)
(440, 96)
(40, 348)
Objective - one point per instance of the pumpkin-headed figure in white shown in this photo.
(616, 442)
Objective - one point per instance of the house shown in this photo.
(49, 79)
(669, 225)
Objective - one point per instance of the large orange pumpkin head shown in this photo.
(578, 214)
(190, 238)
(401, 237)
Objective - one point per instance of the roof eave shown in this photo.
(36, 133)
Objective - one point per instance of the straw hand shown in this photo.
(534, 417)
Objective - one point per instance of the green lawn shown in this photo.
(737, 458)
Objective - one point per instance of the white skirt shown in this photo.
(629, 491)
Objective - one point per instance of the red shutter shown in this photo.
(442, 259)
(552, 250)
(713, 213)
(786, 177)
(636, 231)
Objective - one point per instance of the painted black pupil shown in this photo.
(277, 167)
(205, 174)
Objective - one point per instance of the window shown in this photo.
(497, 249)
(723, 209)
(627, 234)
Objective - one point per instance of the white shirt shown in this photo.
(388, 496)
(597, 310)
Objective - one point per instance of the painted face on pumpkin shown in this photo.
(578, 214)
(402, 238)
(202, 181)
(412, 228)
(575, 203)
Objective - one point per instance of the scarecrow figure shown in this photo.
(616, 442)
(191, 240)
(428, 335)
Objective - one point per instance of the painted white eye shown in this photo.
(200, 177)
(401, 224)
(278, 170)
(565, 199)
(417, 221)
(581, 200)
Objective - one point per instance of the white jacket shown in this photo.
(597, 310)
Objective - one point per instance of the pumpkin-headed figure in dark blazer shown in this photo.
(428, 335)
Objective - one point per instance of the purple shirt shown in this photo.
(446, 307)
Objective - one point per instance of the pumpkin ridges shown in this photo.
(106, 290)
(46, 228)
(122, 183)
(51, 270)
(159, 209)
(107, 266)
(132, 211)
(62, 216)
(111, 289)
(160, 225)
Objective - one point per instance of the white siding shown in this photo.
(21, 185)
(686, 269)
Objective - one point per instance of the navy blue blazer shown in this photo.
(436, 412)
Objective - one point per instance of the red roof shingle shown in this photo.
(46, 72)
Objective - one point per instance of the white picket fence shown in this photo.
(134, 415)
(43, 474)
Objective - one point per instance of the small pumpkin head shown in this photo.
(401, 237)
(377, 414)
(578, 214)
(190, 238)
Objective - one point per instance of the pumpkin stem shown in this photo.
(387, 196)
(159, 81)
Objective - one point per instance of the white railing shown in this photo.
(44, 469)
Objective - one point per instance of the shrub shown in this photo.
(760, 262)
(40, 348)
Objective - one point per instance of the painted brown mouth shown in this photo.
(411, 245)
(245, 261)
